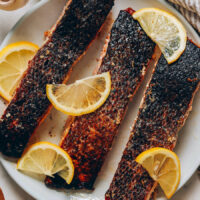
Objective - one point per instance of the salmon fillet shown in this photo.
(89, 138)
(67, 42)
(163, 112)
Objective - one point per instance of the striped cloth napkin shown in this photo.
(190, 9)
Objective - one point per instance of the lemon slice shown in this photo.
(47, 159)
(163, 166)
(82, 97)
(165, 30)
(13, 62)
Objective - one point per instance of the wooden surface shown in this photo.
(1, 195)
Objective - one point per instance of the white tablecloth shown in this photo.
(191, 191)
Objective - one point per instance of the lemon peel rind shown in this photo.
(73, 112)
(47, 145)
(141, 157)
(182, 33)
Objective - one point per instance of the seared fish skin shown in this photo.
(71, 36)
(89, 138)
(165, 108)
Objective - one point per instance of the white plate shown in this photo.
(31, 27)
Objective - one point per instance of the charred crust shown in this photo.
(73, 33)
(166, 106)
(90, 136)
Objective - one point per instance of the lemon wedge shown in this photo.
(13, 62)
(47, 159)
(163, 166)
(165, 30)
(82, 97)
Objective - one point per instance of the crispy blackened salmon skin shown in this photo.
(89, 138)
(67, 42)
(165, 108)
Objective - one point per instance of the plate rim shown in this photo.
(38, 6)
(20, 21)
